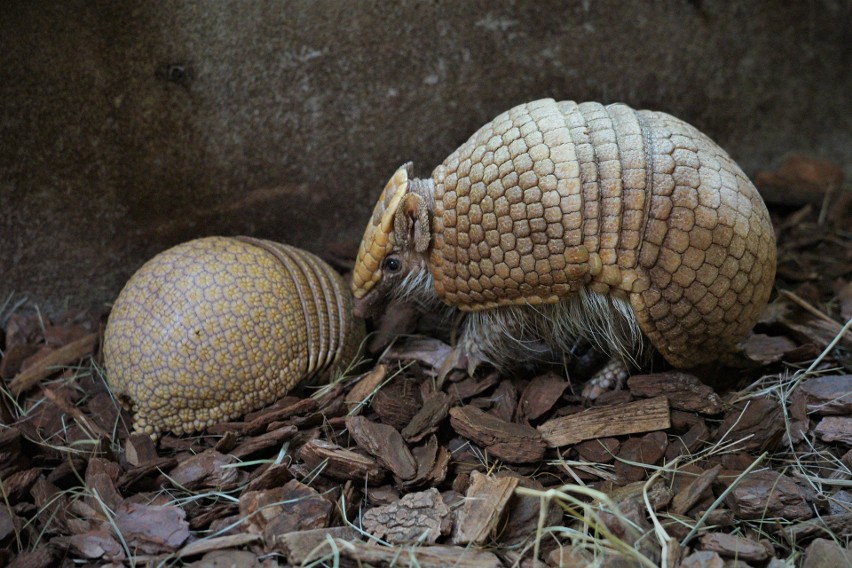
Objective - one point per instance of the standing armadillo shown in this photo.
(558, 221)
(216, 327)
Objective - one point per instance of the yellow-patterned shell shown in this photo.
(216, 327)
(378, 236)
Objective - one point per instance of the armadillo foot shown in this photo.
(610, 377)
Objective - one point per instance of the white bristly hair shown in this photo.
(508, 334)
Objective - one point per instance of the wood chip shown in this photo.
(139, 449)
(768, 494)
(828, 395)
(302, 547)
(648, 450)
(824, 553)
(431, 414)
(206, 470)
(483, 507)
(152, 529)
(205, 545)
(692, 493)
(631, 418)
(291, 507)
(339, 463)
(61, 357)
(421, 556)
(359, 395)
(505, 401)
(765, 349)
(540, 396)
(514, 443)
(398, 402)
(731, 546)
(835, 429)
(839, 525)
(384, 443)
(757, 424)
(417, 517)
(254, 444)
(684, 391)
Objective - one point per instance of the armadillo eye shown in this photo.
(392, 264)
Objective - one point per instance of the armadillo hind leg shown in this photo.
(610, 377)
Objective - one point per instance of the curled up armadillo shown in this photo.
(214, 328)
(560, 221)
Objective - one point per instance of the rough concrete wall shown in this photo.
(128, 127)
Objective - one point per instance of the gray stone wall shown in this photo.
(126, 127)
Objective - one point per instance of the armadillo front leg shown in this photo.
(610, 377)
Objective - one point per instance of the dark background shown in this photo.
(126, 128)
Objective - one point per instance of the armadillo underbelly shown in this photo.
(551, 197)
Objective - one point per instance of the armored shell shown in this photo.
(553, 198)
(217, 327)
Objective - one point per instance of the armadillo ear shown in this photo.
(411, 223)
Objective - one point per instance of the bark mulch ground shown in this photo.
(724, 466)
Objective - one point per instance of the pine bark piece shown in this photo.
(732, 546)
(217, 543)
(540, 395)
(423, 556)
(758, 423)
(269, 477)
(291, 507)
(702, 559)
(648, 450)
(835, 429)
(358, 395)
(484, 502)
(514, 443)
(428, 418)
(101, 478)
(205, 470)
(433, 461)
(42, 557)
(505, 399)
(824, 553)
(684, 391)
(139, 449)
(767, 494)
(302, 547)
(257, 443)
(384, 443)
(692, 493)
(152, 529)
(637, 417)
(828, 395)
(840, 525)
(417, 517)
(398, 402)
(43, 368)
(259, 421)
(340, 463)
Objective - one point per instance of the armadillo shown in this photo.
(217, 327)
(560, 221)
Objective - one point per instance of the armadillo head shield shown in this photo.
(378, 238)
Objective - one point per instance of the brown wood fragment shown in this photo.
(758, 424)
(835, 429)
(766, 349)
(540, 395)
(302, 547)
(227, 557)
(767, 494)
(601, 450)
(291, 507)
(732, 546)
(139, 449)
(435, 556)
(101, 478)
(358, 396)
(398, 402)
(631, 418)
(472, 386)
(417, 517)
(340, 463)
(824, 553)
(268, 477)
(703, 559)
(828, 394)
(45, 366)
(135, 474)
(97, 544)
(42, 557)
(484, 503)
(514, 443)
(648, 450)
(692, 493)
(206, 470)
(385, 443)
(431, 414)
(264, 418)
(684, 391)
(89, 426)
(505, 399)
(269, 439)
(570, 557)
(839, 525)
(152, 529)
(202, 546)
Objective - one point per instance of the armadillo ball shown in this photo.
(217, 327)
